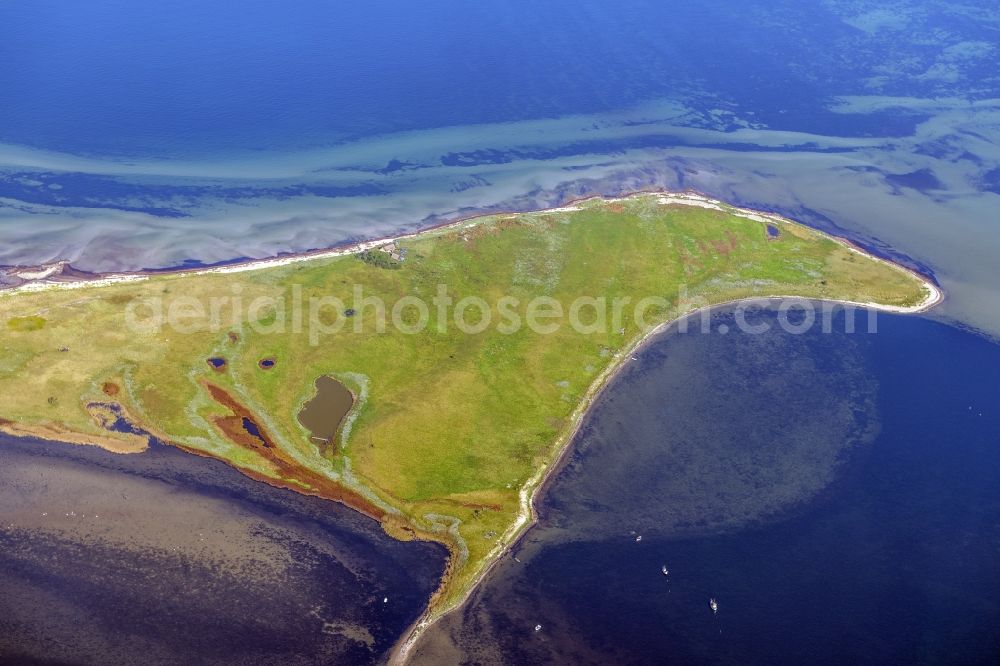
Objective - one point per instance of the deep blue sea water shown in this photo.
(187, 78)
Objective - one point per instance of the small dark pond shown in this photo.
(324, 413)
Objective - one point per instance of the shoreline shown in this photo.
(37, 277)
(528, 516)
(59, 436)
(40, 278)
(529, 492)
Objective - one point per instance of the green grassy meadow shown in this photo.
(448, 426)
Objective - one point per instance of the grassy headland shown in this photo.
(451, 430)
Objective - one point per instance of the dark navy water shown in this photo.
(892, 557)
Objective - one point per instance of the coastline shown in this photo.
(37, 278)
(527, 516)
(61, 436)
(46, 276)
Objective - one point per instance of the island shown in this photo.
(429, 381)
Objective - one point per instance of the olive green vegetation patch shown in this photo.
(24, 324)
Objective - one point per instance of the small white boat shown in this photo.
(665, 570)
(638, 538)
(538, 627)
(714, 605)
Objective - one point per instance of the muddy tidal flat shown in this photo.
(163, 557)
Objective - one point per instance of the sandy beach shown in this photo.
(40, 278)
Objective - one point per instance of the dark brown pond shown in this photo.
(323, 414)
